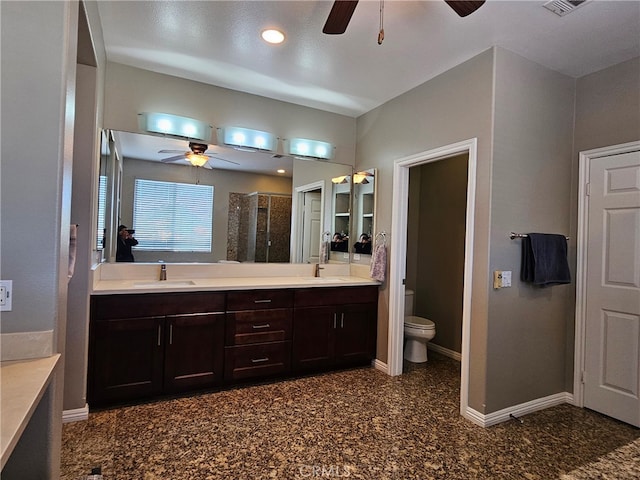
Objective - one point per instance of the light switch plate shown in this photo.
(506, 278)
(6, 294)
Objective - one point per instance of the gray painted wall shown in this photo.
(454, 106)
(38, 100)
(130, 91)
(531, 185)
(435, 263)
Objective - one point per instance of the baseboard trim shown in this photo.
(379, 365)
(76, 414)
(444, 351)
(517, 410)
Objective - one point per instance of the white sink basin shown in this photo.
(164, 283)
(324, 279)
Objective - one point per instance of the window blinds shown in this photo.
(174, 217)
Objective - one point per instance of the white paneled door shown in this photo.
(612, 314)
(312, 227)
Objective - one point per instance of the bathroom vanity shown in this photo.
(216, 333)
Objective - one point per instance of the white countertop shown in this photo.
(22, 384)
(107, 287)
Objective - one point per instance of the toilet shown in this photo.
(417, 332)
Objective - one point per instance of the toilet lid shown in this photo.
(419, 322)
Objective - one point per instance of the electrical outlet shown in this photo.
(497, 279)
(6, 293)
(501, 279)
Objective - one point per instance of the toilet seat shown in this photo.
(419, 322)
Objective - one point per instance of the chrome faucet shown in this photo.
(316, 273)
(163, 272)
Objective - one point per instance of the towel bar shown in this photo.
(514, 235)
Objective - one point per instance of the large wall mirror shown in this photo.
(265, 208)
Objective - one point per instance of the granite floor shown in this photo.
(359, 424)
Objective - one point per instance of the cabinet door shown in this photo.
(313, 338)
(127, 359)
(194, 351)
(355, 334)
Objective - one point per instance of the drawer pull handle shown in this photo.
(342, 320)
(262, 301)
(158, 335)
(256, 327)
(259, 360)
(171, 334)
(334, 320)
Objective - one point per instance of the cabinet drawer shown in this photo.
(259, 299)
(312, 297)
(127, 306)
(197, 302)
(258, 326)
(258, 360)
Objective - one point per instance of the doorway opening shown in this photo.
(307, 212)
(398, 256)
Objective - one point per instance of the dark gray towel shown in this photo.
(544, 259)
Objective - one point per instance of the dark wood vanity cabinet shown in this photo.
(258, 334)
(334, 327)
(142, 345)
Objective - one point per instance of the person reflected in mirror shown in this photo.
(125, 242)
(340, 243)
(363, 245)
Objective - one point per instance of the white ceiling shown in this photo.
(218, 42)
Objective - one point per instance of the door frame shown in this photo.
(579, 354)
(297, 213)
(398, 256)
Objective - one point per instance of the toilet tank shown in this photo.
(408, 302)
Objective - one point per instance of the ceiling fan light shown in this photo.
(174, 125)
(197, 160)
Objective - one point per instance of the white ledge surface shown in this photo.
(22, 385)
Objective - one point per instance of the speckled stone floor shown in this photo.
(359, 424)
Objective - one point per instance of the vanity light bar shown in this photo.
(174, 125)
(303, 147)
(248, 138)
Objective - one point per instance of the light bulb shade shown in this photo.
(197, 160)
(175, 125)
(248, 138)
(341, 179)
(303, 147)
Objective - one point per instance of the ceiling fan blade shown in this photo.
(463, 7)
(222, 159)
(173, 159)
(170, 151)
(339, 17)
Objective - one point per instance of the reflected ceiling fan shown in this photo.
(196, 157)
(342, 10)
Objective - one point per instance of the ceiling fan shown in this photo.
(342, 10)
(197, 156)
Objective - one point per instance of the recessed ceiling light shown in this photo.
(272, 36)
(280, 170)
